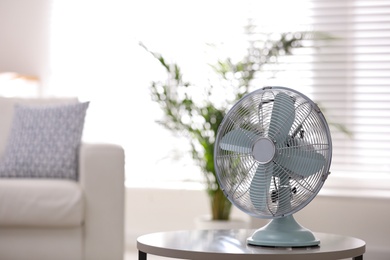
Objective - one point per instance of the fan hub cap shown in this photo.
(264, 150)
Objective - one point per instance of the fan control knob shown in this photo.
(264, 150)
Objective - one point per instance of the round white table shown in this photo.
(231, 245)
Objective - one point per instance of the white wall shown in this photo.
(152, 210)
(24, 37)
(362, 217)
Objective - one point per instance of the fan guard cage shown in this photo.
(283, 191)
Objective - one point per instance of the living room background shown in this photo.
(94, 53)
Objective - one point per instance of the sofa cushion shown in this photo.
(7, 106)
(44, 141)
(40, 203)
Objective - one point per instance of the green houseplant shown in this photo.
(198, 120)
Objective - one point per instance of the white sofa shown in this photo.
(63, 219)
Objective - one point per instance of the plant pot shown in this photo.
(205, 222)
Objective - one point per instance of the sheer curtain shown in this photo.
(96, 56)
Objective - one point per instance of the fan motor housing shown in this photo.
(264, 150)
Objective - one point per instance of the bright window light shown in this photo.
(96, 56)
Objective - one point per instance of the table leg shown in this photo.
(360, 257)
(142, 255)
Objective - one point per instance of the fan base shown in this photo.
(283, 232)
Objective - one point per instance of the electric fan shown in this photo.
(272, 156)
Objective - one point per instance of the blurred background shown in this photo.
(91, 49)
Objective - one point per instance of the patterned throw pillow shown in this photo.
(44, 142)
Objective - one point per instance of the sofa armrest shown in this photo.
(101, 174)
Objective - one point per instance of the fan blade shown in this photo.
(260, 185)
(282, 117)
(238, 140)
(302, 163)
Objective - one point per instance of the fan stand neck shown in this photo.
(283, 232)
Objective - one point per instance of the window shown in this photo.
(351, 78)
(97, 57)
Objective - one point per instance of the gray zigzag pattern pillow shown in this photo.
(44, 142)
